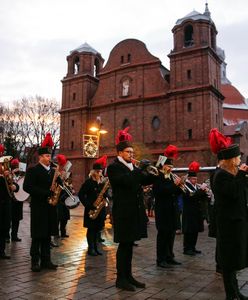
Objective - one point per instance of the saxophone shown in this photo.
(100, 202)
(55, 188)
(8, 178)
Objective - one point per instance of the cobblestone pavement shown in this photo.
(82, 277)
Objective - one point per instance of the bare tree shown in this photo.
(28, 121)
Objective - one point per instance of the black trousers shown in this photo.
(14, 228)
(189, 240)
(124, 257)
(165, 243)
(40, 250)
(62, 227)
(230, 284)
(92, 238)
(2, 243)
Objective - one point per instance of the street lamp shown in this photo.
(91, 142)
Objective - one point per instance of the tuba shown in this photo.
(100, 202)
(5, 161)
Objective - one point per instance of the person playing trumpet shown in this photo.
(166, 189)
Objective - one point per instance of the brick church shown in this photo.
(177, 106)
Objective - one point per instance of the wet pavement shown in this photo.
(84, 277)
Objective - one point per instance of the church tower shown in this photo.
(78, 88)
(195, 82)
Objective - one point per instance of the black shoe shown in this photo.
(53, 244)
(173, 262)
(35, 267)
(197, 251)
(162, 264)
(136, 283)
(135, 244)
(4, 256)
(48, 265)
(16, 239)
(64, 235)
(98, 252)
(92, 252)
(189, 252)
(124, 285)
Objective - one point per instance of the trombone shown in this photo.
(150, 168)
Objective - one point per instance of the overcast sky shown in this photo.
(37, 35)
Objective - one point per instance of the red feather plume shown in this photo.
(1, 149)
(123, 135)
(48, 141)
(14, 162)
(102, 161)
(61, 159)
(194, 167)
(171, 152)
(218, 141)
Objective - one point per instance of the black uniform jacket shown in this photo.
(88, 194)
(37, 183)
(232, 218)
(166, 206)
(193, 209)
(129, 216)
(5, 206)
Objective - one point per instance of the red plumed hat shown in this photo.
(61, 159)
(171, 152)
(1, 149)
(46, 145)
(14, 162)
(102, 161)
(194, 168)
(48, 141)
(123, 139)
(222, 145)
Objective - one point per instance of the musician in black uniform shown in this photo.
(7, 188)
(37, 183)
(166, 190)
(129, 216)
(16, 206)
(230, 184)
(88, 194)
(194, 200)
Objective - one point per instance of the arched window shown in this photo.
(96, 67)
(125, 87)
(76, 65)
(125, 123)
(188, 36)
(155, 123)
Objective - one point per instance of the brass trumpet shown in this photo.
(150, 168)
(182, 184)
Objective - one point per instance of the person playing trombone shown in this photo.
(166, 189)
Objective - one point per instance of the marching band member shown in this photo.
(88, 194)
(230, 186)
(16, 206)
(166, 191)
(7, 187)
(129, 216)
(193, 210)
(38, 183)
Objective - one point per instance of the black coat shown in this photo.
(193, 210)
(5, 208)
(129, 216)
(166, 205)
(88, 193)
(37, 183)
(232, 219)
(62, 209)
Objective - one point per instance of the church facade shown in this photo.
(177, 106)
